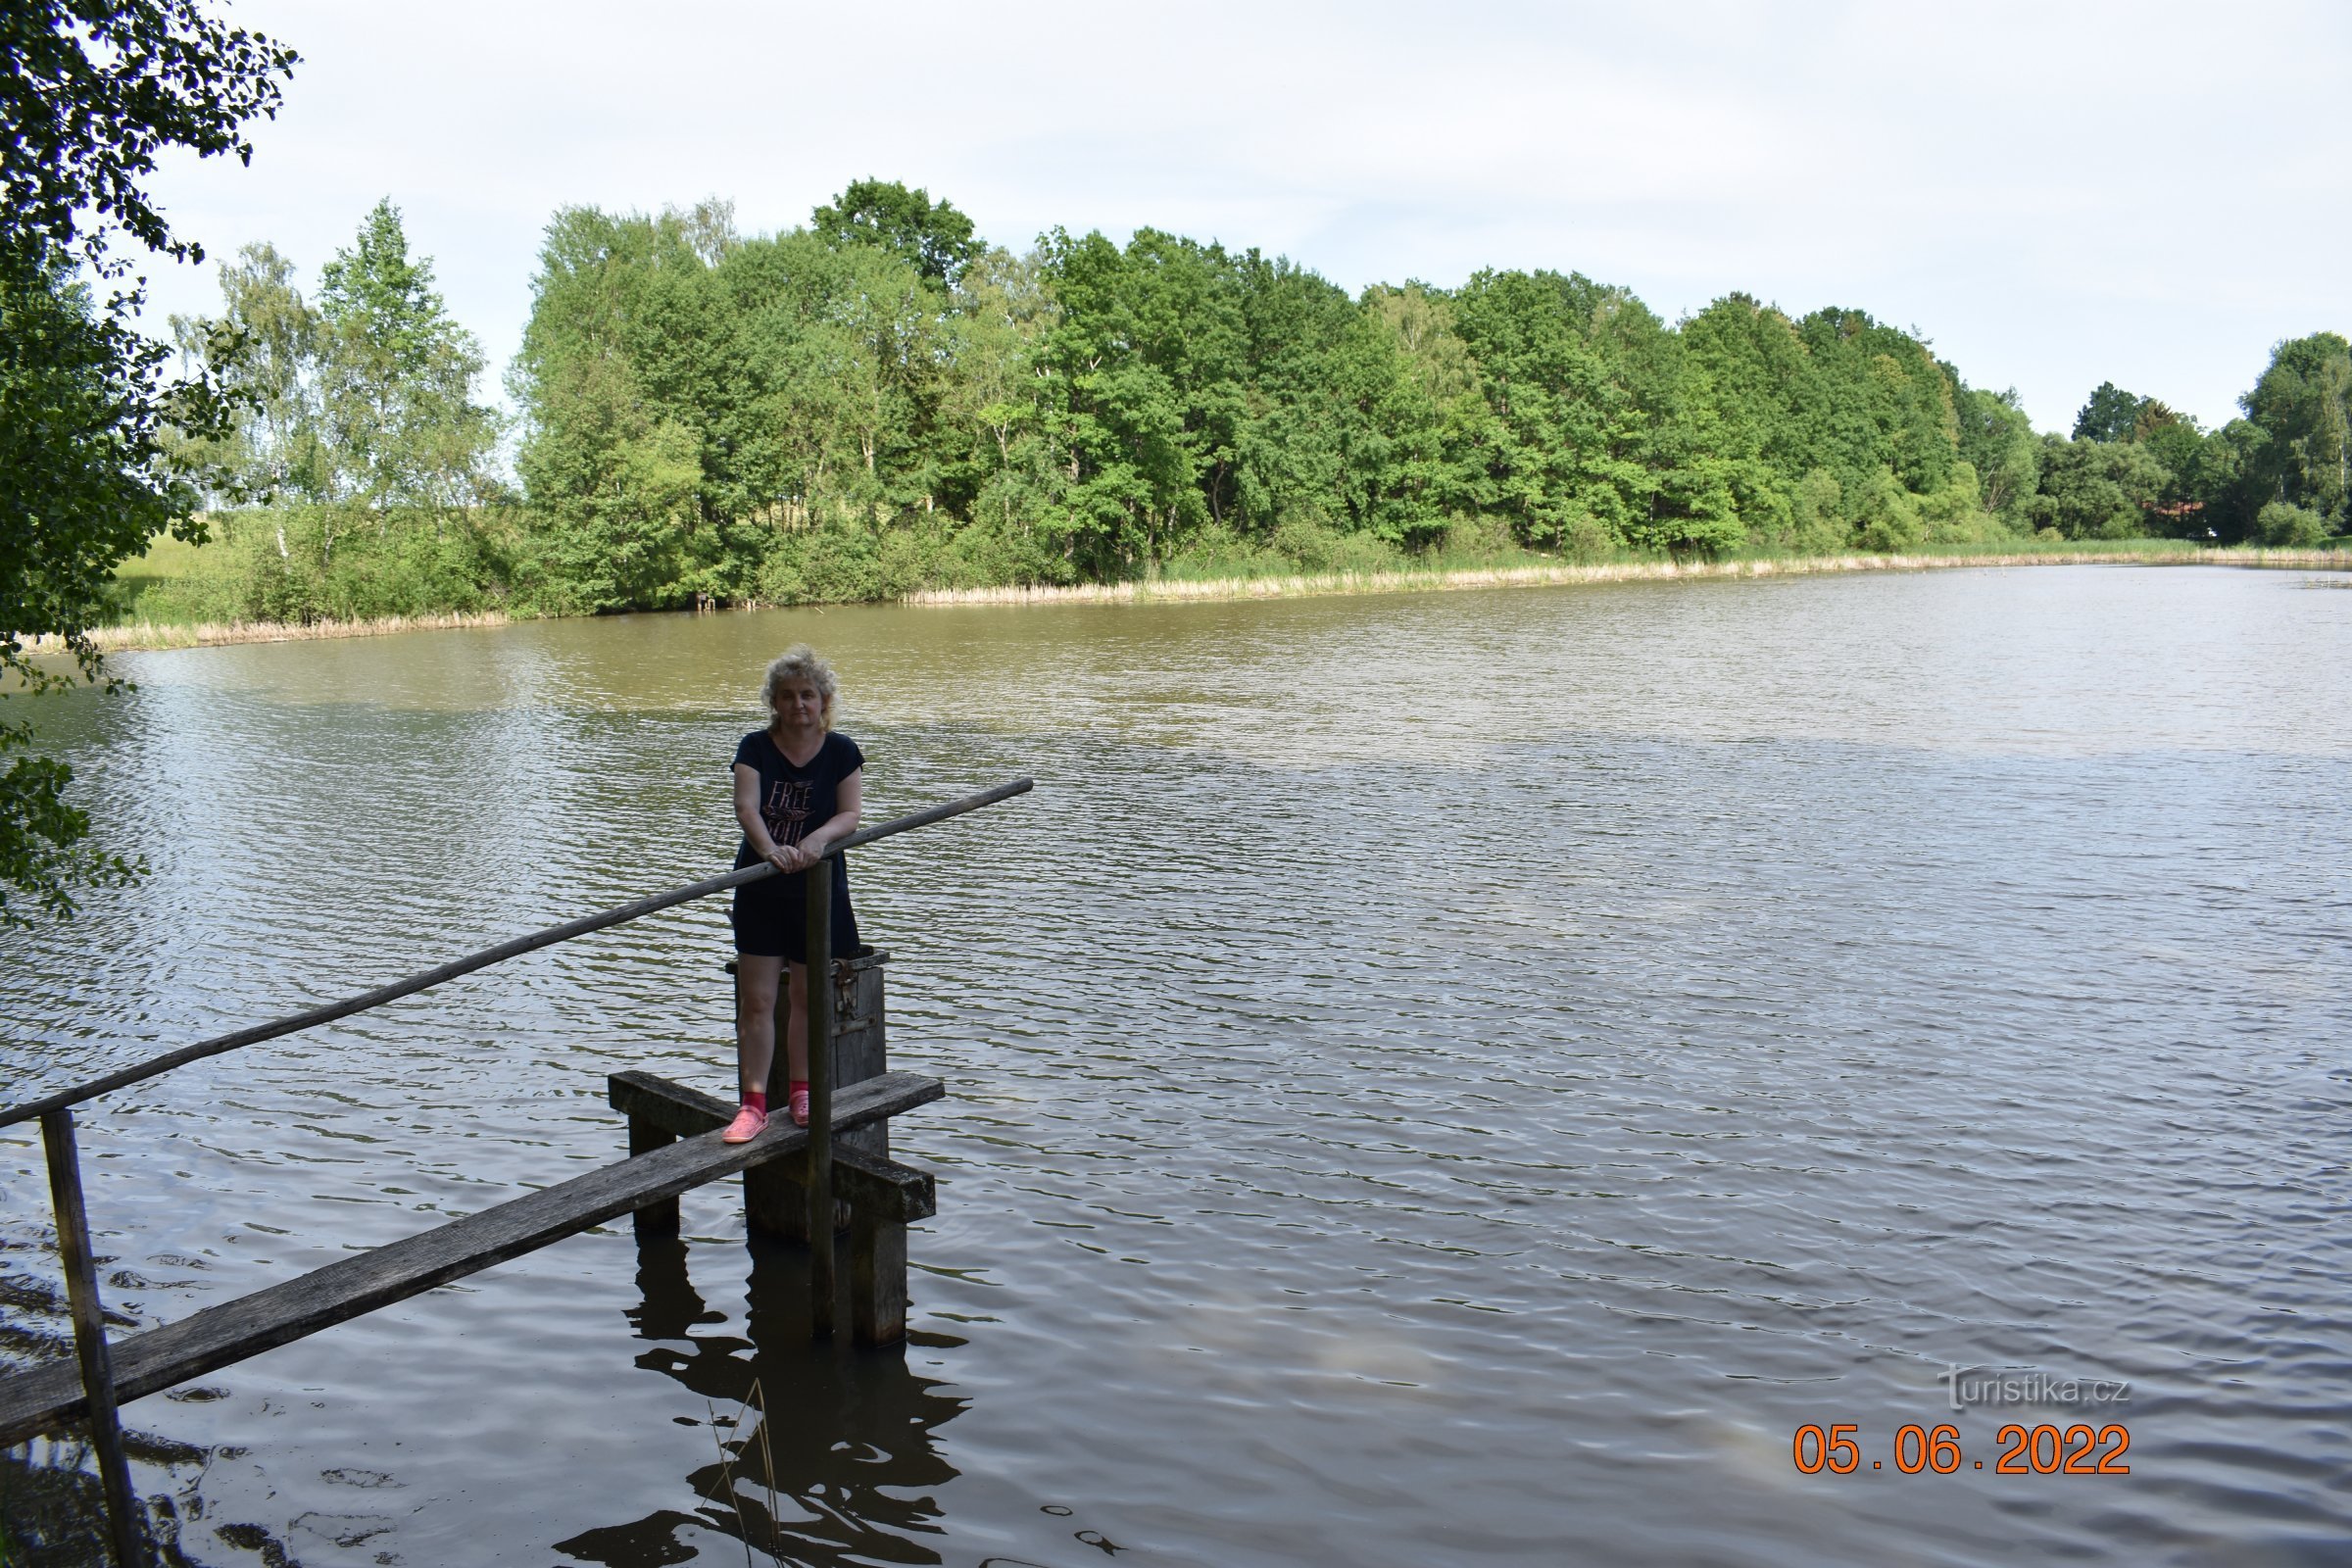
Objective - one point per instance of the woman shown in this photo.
(798, 790)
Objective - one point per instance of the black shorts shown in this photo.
(771, 916)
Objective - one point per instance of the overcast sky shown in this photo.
(2054, 194)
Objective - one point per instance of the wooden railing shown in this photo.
(55, 1112)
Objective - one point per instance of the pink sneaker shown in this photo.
(799, 1101)
(748, 1124)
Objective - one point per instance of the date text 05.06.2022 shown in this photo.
(2044, 1450)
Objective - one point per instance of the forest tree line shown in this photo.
(878, 402)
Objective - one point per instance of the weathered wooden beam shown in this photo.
(882, 1195)
(866, 1183)
(221, 1336)
(657, 1219)
(123, 1521)
(882, 1188)
(862, 1184)
(658, 1102)
(877, 1276)
(861, 1048)
(774, 1202)
(817, 925)
(775, 1199)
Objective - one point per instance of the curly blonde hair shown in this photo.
(800, 662)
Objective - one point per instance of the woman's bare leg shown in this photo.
(755, 1019)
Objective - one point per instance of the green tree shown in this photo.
(2234, 483)
(1000, 474)
(1389, 433)
(826, 363)
(877, 401)
(2109, 414)
(91, 96)
(1838, 430)
(1570, 435)
(1818, 514)
(613, 378)
(2285, 525)
(264, 348)
(933, 237)
(696, 412)
(1997, 441)
(2189, 455)
(1754, 384)
(1885, 402)
(1335, 432)
(1143, 394)
(2303, 406)
(2097, 489)
(1442, 459)
(396, 378)
(879, 339)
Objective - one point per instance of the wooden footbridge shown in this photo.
(807, 1184)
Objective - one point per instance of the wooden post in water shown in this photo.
(123, 1516)
(818, 973)
(877, 1266)
(877, 1278)
(657, 1221)
(772, 1199)
(776, 1195)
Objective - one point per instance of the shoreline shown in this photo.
(1310, 585)
(154, 637)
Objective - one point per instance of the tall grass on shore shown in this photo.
(149, 634)
(1268, 574)
(1294, 584)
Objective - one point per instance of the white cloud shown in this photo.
(2058, 195)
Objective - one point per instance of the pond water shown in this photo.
(1446, 1079)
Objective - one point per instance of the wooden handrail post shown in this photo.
(818, 974)
(122, 1518)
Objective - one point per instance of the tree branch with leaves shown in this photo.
(94, 438)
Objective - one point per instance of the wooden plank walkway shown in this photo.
(46, 1396)
(866, 1182)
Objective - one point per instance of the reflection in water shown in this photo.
(51, 1505)
(822, 1453)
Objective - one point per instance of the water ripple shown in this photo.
(1452, 1079)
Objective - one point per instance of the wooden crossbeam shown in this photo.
(39, 1399)
(870, 1185)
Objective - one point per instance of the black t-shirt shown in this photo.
(795, 801)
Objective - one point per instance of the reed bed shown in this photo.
(148, 634)
(1292, 585)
